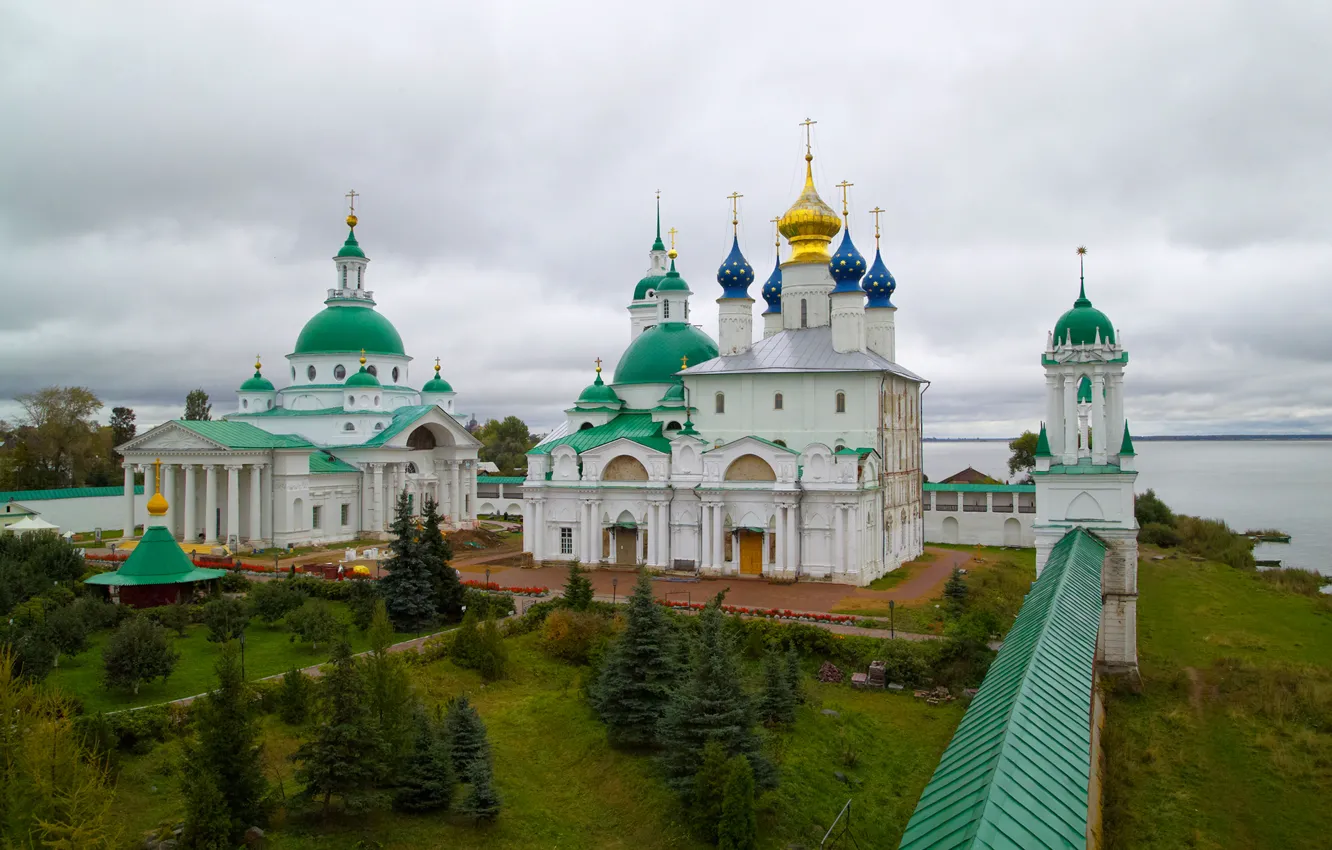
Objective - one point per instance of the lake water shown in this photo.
(1249, 484)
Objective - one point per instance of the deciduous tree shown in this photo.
(315, 621)
(506, 443)
(197, 406)
(139, 651)
(272, 600)
(1023, 457)
(226, 618)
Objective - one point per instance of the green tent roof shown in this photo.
(157, 559)
(1016, 773)
(1042, 443)
(636, 427)
(1126, 447)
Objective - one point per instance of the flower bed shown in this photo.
(769, 613)
(496, 587)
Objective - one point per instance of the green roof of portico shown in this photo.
(156, 559)
(242, 435)
(638, 428)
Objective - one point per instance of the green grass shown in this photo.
(563, 787)
(1230, 743)
(888, 581)
(268, 651)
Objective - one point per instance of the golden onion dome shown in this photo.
(157, 504)
(810, 224)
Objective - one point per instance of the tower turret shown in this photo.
(643, 306)
(735, 309)
(772, 292)
(438, 391)
(847, 267)
(880, 314)
(256, 394)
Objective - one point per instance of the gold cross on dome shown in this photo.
(807, 123)
(351, 201)
(598, 365)
(776, 233)
(844, 186)
(684, 362)
(672, 233)
(876, 212)
(734, 198)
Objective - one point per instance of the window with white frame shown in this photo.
(841, 402)
(345, 515)
(566, 540)
(317, 516)
(721, 402)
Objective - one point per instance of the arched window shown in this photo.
(293, 373)
(395, 374)
(804, 313)
(781, 443)
(686, 311)
(270, 404)
(310, 372)
(672, 426)
(245, 403)
(376, 401)
(349, 427)
(344, 277)
(841, 402)
(721, 402)
(351, 400)
(339, 372)
(584, 426)
(359, 272)
(373, 370)
(777, 402)
(666, 309)
(379, 426)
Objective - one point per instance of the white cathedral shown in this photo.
(796, 456)
(322, 459)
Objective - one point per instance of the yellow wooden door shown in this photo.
(751, 553)
(626, 541)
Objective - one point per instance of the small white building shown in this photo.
(324, 458)
(980, 514)
(794, 456)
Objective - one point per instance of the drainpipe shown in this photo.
(920, 463)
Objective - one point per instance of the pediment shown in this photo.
(437, 418)
(170, 437)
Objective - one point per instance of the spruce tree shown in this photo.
(710, 705)
(578, 588)
(482, 802)
(777, 705)
(465, 734)
(228, 749)
(636, 680)
(448, 588)
(466, 648)
(707, 792)
(294, 697)
(494, 660)
(428, 779)
(388, 687)
(408, 586)
(345, 754)
(207, 820)
(955, 590)
(794, 677)
(738, 829)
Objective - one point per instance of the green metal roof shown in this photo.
(323, 463)
(402, 417)
(436, 385)
(286, 411)
(257, 383)
(1017, 770)
(597, 394)
(65, 493)
(978, 488)
(777, 446)
(672, 282)
(1082, 323)
(656, 354)
(1042, 443)
(1126, 447)
(242, 435)
(849, 451)
(351, 248)
(499, 479)
(1084, 466)
(349, 328)
(363, 378)
(157, 559)
(638, 427)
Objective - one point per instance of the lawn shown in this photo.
(1230, 743)
(564, 788)
(268, 651)
(887, 581)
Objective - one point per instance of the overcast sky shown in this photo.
(172, 181)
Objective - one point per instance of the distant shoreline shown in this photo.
(1161, 439)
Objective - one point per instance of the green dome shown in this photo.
(362, 379)
(672, 282)
(655, 356)
(673, 395)
(1084, 390)
(351, 248)
(651, 282)
(1082, 322)
(348, 329)
(598, 394)
(437, 385)
(257, 384)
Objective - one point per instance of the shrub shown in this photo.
(496, 605)
(493, 663)
(314, 621)
(1147, 508)
(272, 600)
(361, 599)
(532, 619)
(571, 635)
(294, 697)
(1214, 540)
(138, 652)
(1159, 534)
(176, 617)
(234, 582)
(225, 618)
(1306, 582)
(465, 648)
(99, 614)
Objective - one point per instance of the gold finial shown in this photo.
(777, 233)
(363, 357)
(844, 186)
(598, 365)
(436, 367)
(684, 362)
(672, 253)
(809, 148)
(157, 505)
(876, 212)
(351, 207)
(735, 211)
(1082, 250)
(257, 364)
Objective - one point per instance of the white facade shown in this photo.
(980, 514)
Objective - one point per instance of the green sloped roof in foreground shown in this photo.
(1015, 776)
(157, 559)
(637, 427)
(242, 435)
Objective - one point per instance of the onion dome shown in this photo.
(362, 378)
(672, 282)
(735, 274)
(810, 224)
(351, 248)
(673, 397)
(879, 284)
(772, 288)
(1084, 324)
(257, 383)
(435, 384)
(157, 505)
(847, 266)
(647, 286)
(598, 394)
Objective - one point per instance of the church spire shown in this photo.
(350, 262)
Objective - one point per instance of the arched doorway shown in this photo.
(750, 468)
(624, 539)
(625, 468)
(1012, 532)
(950, 529)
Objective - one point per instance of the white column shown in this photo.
(190, 526)
(1100, 433)
(471, 490)
(256, 515)
(839, 539)
(210, 503)
(129, 499)
(266, 504)
(377, 496)
(781, 538)
(169, 493)
(664, 551)
(539, 541)
(792, 539)
(233, 502)
(705, 535)
(1070, 419)
(718, 536)
(455, 496)
(527, 526)
(1053, 416)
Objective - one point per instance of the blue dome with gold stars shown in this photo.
(847, 266)
(772, 289)
(879, 284)
(735, 274)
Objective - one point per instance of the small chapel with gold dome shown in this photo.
(793, 455)
(323, 458)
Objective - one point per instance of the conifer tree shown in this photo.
(207, 819)
(777, 705)
(466, 648)
(578, 588)
(228, 748)
(955, 590)
(482, 801)
(636, 680)
(465, 734)
(428, 779)
(408, 586)
(794, 677)
(738, 829)
(494, 660)
(294, 698)
(449, 591)
(388, 687)
(345, 753)
(708, 791)
(710, 705)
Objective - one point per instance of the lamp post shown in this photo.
(892, 626)
(487, 578)
(615, 581)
